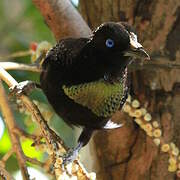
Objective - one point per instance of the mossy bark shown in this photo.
(127, 153)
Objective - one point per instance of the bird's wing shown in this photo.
(70, 62)
(101, 97)
(64, 52)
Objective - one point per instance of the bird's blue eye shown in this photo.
(109, 43)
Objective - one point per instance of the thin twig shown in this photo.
(34, 161)
(10, 122)
(7, 156)
(17, 54)
(19, 66)
(22, 133)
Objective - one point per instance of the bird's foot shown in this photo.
(24, 87)
(70, 156)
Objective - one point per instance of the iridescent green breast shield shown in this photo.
(101, 97)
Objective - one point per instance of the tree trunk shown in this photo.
(127, 153)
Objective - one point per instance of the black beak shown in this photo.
(139, 53)
(136, 50)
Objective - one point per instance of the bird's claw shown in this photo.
(69, 157)
(23, 87)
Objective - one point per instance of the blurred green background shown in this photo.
(21, 24)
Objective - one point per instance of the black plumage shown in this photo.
(85, 79)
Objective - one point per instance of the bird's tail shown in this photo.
(111, 125)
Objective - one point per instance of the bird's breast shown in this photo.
(101, 97)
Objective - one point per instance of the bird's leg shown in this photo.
(24, 87)
(82, 141)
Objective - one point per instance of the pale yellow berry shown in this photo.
(157, 141)
(147, 117)
(157, 133)
(128, 99)
(175, 151)
(143, 111)
(59, 160)
(165, 148)
(138, 121)
(126, 108)
(135, 103)
(58, 163)
(155, 124)
(148, 127)
(172, 168)
(137, 113)
(172, 161)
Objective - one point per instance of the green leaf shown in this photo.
(31, 151)
(5, 142)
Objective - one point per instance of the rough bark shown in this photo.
(128, 153)
(62, 18)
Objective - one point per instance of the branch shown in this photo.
(22, 133)
(155, 63)
(62, 18)
(10, 122)
(6, 157)
(19, 66)
(17, 54)
(34, 161)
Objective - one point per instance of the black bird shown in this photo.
(85, 79)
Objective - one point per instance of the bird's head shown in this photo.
(117, 42)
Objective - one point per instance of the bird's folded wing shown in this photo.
(101, 97)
